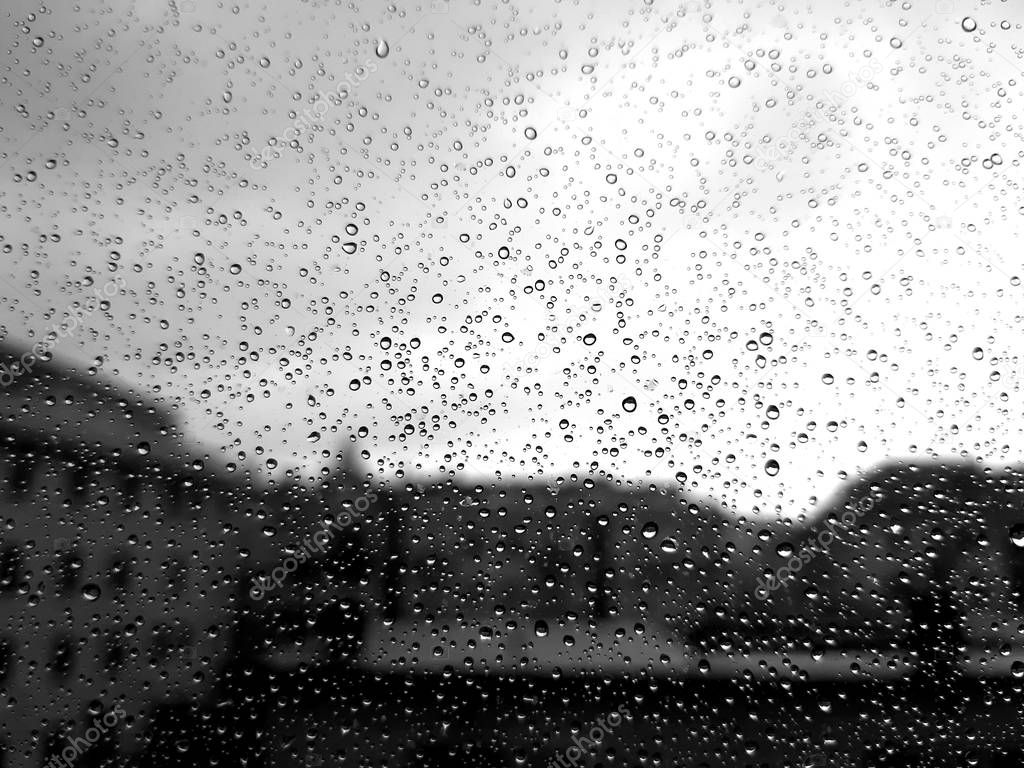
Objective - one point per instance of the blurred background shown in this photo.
(419, 384)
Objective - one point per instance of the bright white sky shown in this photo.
(844, 180)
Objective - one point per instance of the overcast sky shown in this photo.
(665, 240)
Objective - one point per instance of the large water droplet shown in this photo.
(91, 592)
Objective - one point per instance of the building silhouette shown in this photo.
(167, 594)
(119, 563)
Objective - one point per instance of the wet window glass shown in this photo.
(496, 383)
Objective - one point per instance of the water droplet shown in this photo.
(629, 404)
(540, 629)
(91, 592)
(531, 133)
(649, 531)
(1017, 535)
(264, 62)
(785, 549)
(382, 49)
(968, 24)
(771, 467)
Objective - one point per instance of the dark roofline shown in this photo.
(99, 383)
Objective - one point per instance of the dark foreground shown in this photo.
(348, 718)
